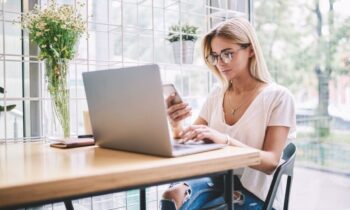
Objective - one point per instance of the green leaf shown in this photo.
(188, 33)
(8, 108)
(2, 90)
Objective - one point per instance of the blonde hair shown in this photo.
(240, 31)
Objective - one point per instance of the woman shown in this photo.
(248, 110)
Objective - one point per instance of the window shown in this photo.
(11, 79)
(304, 43)
(121, 33)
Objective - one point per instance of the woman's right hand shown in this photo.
(177, 112)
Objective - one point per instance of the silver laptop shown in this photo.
(127, 112)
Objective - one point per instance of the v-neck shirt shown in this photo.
(247, 109)
(272, 106)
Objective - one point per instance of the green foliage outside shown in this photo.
(306, 45)
(334, 137)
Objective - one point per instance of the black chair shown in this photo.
(286, 168)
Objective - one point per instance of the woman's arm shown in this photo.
(270, 154)
(200, 121)
(275, 139)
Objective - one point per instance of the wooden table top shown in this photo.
(31, 172)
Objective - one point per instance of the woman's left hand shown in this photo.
(204, 133)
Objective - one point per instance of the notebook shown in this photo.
(127, 112)
(73, 142)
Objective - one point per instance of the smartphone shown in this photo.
(169, 89)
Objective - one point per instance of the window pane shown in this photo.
(13, 78)
(309, 56)
(12, 5)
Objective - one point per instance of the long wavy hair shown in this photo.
(239, 31)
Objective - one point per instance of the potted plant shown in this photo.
(8, 107)
(56, 30)
(183, 37)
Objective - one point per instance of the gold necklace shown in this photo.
(233, 110)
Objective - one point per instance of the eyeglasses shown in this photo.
(226, 55)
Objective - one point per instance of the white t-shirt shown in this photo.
(273, 106)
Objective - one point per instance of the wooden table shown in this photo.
(35, 174)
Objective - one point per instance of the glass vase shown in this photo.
(57, 86)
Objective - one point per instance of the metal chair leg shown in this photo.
(286, 198)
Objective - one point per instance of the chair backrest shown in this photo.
(286, 168)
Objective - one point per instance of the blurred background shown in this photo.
(305, 43)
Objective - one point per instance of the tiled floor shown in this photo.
(316, 190)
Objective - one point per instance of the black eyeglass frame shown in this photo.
(222, 54)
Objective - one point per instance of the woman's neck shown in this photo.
(241, 85)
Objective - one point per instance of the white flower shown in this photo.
(50, 24)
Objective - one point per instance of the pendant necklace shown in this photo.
(234, 109)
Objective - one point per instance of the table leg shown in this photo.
(229, 189)
(143, 199)
(68, 204)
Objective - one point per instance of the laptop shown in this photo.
(128, 112)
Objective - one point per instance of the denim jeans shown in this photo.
(208, 191)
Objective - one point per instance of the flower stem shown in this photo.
(56, 73)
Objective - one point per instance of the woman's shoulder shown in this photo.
(277, 90)
(216, 91)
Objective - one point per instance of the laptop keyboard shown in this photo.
(182, 146)
(187, 145)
